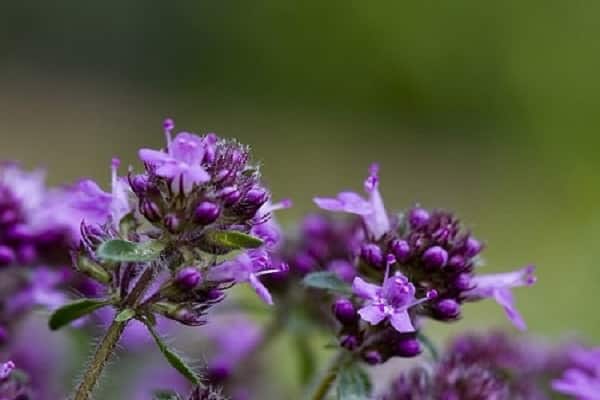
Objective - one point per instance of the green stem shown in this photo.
(107, 345)
(324, 385)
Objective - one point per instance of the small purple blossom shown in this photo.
(498, 287)
(390, 301)
(371, 209)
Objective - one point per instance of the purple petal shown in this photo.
(401, 322)
(153, 156)
(364, 289)
(188, 148)
(349, 202)
(505, 298)
(372, 314)
(260, 289)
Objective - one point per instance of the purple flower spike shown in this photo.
(371, 210)
(498, 286)
(390, 301)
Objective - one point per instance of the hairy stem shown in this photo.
(101, 356)
(326, 381)
(107, 345)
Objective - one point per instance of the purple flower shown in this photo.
(371, 209)
(247, 267)
(582, 379)
(498, 286)
(389, 301)
(182, 163)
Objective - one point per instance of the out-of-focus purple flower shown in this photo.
(582, 379)
(498, 287)
(6, 369)
(390, 301)
(233, 339)
(476, 367)
(153, 378)
(371, 209)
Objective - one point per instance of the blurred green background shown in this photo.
(486, 108)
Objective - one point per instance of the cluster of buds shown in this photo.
(165, 248)
(416, 265)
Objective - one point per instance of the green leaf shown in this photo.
(234, 240)
(165, 395)
(174, 359)
(72, 311)
(353, 383)
(327, 280)
(125, 315)
(123, 250)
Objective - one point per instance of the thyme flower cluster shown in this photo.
(168, 243)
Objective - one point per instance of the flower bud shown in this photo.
(172, 223)
(456, 262)
(344, 311)
(150, 210)
(7, 255)
(435, 257)
(401, 250)
(188, 278)
(304, 262)
(372, 357)
(206, 213)
(372, 255)
(462, 282)
(139, 183)
(256, 196)
(408, 347)
(349, 342)
(230, 195)
(472, 247)
(418, 217)
(447, 309)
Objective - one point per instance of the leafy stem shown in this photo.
(107, 345)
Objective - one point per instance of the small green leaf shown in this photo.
(72, 311)
(123, 250)
(125, 315)
(327, 280)
(165, 395)
(234, 240)
(173, 359)
(353, 383)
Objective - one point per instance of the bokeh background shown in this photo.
(487, 108)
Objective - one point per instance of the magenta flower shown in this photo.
(498, 286)
(182, 163)
(390, 301)
(582, 380)
(371, 209)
